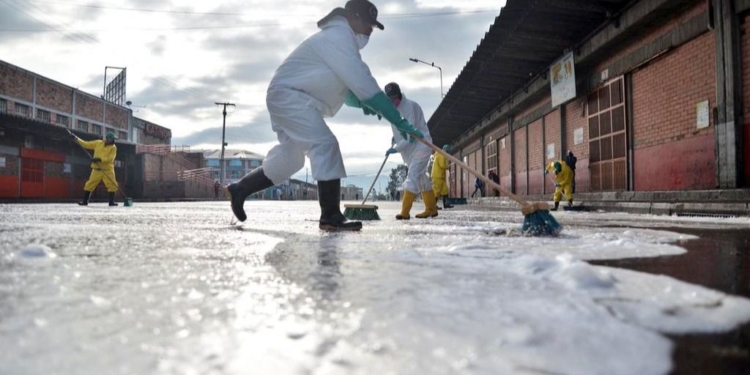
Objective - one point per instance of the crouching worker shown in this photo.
(312, 83)
(563, 182)
(102, 167)
(415, 154)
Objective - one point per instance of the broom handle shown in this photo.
(463, 165)
(376, 177)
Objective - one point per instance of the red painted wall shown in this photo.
(8, 187)
(56, 187)
(689, 164)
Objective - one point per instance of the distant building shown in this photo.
(237, 163)
(351, 193)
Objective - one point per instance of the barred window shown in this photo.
(83, 126)
(22, 110)
(3, 106)
(96, 129)
(122, 135)
(63, 120)
(43, 115)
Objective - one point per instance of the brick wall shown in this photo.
(665, 94)
(575, 118)
(536, 150)
(520, 158)
(117, 117)
(533, 107)
(551, 136)
(746, 93)
(89, 107)
(55, 96)
(16, 84)
(648, 37)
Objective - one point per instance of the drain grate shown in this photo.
(698, 214)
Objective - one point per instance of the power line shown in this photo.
(235, 14)
(256, 25)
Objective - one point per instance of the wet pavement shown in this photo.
(720, 260)
(173, 288)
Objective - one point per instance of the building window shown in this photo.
(83, 126)
(235, 163)
(212, 162)
(96, 129)
(235, 175)
(63, 120)
(3, 106)
(254, 163)
(122, 135)
(42, 115)
(22, 110)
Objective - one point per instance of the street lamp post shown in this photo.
(223, 142)
(434, 66)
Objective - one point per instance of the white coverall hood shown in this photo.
(327, 66)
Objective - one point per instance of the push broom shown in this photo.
(365, 211)
(128, 201)
(537, 219)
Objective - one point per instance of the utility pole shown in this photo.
(223, 143)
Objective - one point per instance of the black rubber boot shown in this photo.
(445, 203)
(85, 201)
(331, 218)
(557, 204)
(253, 182)
(112, 199)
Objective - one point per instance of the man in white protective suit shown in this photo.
(416, 155)
(312, 83)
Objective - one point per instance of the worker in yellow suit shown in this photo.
(563, 181)
(102, 167)
(439, 186)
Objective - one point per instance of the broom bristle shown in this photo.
(541, 223)
(361, 212)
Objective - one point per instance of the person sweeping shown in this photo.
(102, 167)
(312, 83)
(563, 182)
(416, 155)
(439, 167)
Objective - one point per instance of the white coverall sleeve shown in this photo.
(340, 52)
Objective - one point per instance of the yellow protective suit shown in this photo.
(564, 179)
(439, 166)
(107, 153)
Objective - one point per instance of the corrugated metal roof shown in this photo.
(232, 154)
(526, 38)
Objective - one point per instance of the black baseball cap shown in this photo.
(393, 90)
(366, 11)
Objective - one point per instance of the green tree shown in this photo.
(398, 176)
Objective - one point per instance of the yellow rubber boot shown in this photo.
(430, 205)
(406, 206)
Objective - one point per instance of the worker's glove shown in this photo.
(73, 136)
(391, 151)
(546, 172)
(382, 105)
(96, 160)
(557, 185)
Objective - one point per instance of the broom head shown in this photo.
(361, 212)
(538, 221)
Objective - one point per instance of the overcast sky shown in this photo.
(183, 56)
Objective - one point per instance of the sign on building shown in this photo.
(563, 80)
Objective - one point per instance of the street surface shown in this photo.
(174, 288)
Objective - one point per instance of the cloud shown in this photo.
(158, 45)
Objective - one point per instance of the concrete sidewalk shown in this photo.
(680, 203)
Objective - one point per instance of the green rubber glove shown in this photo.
(381, 104)
(354, 102)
